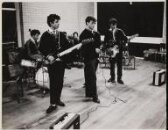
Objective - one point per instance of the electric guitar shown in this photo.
(47, 61)
(113, 51)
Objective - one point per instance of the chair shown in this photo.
(128, 60)
(104, 58)
(30, 68)
(14, 73)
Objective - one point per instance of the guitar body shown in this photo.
(113, 51)
(49, 61)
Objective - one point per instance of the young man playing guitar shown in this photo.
(115, 40)
(53, 42)
(90, 52)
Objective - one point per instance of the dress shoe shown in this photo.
(50, 109)
(60, 103)
(110, 80)
(88, 96)
(96, 100)
(113, 81)
(84, 85)
(120, 81)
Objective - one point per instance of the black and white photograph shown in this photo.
(83, 64)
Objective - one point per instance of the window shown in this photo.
(9, 30)
(145, 18)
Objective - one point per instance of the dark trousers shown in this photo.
(117, 60)
(90, 77)
(56, 75)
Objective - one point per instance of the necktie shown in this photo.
(56, 33)
(36, 43)
(114, 34)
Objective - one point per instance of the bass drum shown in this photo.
(42, 78)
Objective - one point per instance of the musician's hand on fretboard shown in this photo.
(132, 37)
(50, 58)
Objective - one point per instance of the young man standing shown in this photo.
(115, 37)
(90, 52)
(52, 42)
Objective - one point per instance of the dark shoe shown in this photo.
(50, 109)
(110, 80)
(120, 81)
(96, 100)
(84, 85)
(60, 103)
(113, 81)
(88, 96)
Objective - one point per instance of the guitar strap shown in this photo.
(59, 40)
(58, 35)
(113, 31)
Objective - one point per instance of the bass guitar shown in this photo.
(68, 51)
(113, 51)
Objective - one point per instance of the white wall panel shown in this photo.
(72, 14)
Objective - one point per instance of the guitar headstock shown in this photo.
(133, 36)
(136, 35)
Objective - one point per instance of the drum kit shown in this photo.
(41, 75)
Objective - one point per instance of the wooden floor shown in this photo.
(136, 105)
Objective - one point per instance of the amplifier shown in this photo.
(67, 121)
(159, 77)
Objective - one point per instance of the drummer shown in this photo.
(31, 46)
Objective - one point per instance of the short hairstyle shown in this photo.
(113, 21)
(34, 32)
(51, 18)
(90, 18)
(75, 33)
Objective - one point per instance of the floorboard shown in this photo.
(135, 105)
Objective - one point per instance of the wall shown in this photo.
(84, 9)
(72, 14)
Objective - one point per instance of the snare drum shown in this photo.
(42, 78)
(28, 63)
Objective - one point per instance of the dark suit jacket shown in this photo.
(52, 45)
(88, 50)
